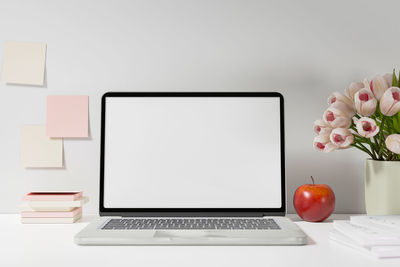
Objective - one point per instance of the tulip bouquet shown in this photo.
(366, 117)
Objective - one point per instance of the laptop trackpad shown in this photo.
(192, 234)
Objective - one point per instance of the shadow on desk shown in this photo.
(296, 218)
(87, 219)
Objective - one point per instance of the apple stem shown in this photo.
(312, 178)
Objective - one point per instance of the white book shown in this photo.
(53, 205)
(387, 223)
(377, 252)
(365, 236)
(52, 220)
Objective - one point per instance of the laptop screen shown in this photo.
(192, 152)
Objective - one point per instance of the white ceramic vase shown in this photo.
(382, 187)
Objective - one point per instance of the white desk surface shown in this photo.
(52, 245)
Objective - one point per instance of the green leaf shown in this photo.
(398, 81)
(380, 151)
(396, 124)
(394, 79)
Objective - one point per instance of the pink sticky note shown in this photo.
(67, 116)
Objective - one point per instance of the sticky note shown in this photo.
(24, 63)
(38, 150)
(67, 116)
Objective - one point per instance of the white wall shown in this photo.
(304, 49)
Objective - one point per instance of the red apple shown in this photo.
(314, 202)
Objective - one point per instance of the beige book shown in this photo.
(52, 220)
(53, 205)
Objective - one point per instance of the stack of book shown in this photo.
(377, 235)
(52, 207)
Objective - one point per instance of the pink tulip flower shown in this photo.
(389, 79)
(367, 127)
(321, 127)
(365, 102)
(341, 137)
(323, 143)
(353, 89)
(337, 118)
(393, 143)
(390, 101)
(377, 85)
(342, 102)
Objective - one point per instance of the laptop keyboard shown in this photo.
(191, 224)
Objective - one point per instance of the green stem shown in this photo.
(363, 148)
(373, 149)
(360, 139)
(381, 138)
(360, 144)
(380, 156)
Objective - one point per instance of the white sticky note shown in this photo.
(38, 150)
(23, 63)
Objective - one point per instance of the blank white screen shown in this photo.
(192, 152)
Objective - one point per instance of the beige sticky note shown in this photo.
(38, 150)
(23, 63)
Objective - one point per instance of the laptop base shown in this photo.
(289, 234)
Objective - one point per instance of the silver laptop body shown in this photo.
(192, 168)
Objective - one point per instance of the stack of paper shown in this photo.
(52, 207)
(377, 235)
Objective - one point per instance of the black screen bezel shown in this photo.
(197, 212)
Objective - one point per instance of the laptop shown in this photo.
(192, 168)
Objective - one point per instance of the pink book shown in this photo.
(51, 214)
(52, 196)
